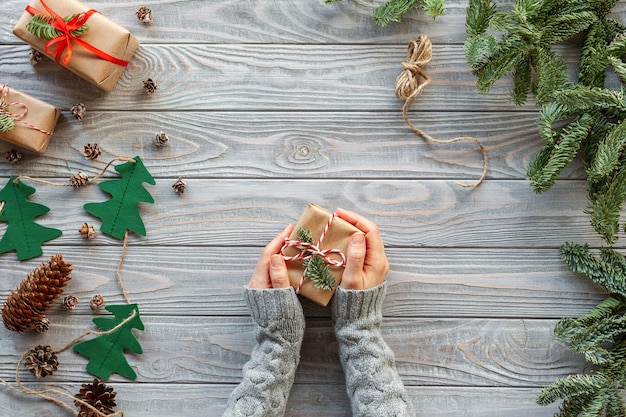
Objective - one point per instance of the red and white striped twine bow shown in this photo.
(4, 109)
(309, 250)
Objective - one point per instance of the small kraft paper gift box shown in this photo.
(315, 253)
(26, 121)
(79, 39)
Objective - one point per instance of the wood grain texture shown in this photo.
(261, 77)
(194, 400)
(294, 145)
(422, 282)
(409, 213)
(436, 352)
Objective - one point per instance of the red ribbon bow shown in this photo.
(63, 42)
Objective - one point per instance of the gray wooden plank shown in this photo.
(433, 283)
(294, 145)
(189, 400)
(263, 77)
(305, 401)
(435, 352)
(273, 21)
(411, 213)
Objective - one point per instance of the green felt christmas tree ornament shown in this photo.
(23, 234)
(120, 213)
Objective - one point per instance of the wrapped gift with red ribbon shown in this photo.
(79, 39)
(330, 236)
(26, 121)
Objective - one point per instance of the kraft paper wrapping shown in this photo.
(315, 219)
(40, 114)
(102, 33)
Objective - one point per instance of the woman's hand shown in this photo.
(366, 262)
(271, 271)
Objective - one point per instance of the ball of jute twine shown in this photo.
(410, 83)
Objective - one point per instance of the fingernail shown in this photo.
(358, 239)
(276, 261)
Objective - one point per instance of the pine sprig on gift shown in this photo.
(316, 268)
(599, 335)
(7, 123)
(393, 10)
(41, 26)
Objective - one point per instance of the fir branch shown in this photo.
(608, 153)
(7, 123)
(41, 26)
(546, 167)
(318, 271)
(304, 235)
(606, 206)
(392, 11)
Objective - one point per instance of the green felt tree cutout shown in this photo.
(120, 213)
(106, 352)
(22, 234)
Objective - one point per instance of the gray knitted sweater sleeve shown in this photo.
(372, 381)
(268, 375)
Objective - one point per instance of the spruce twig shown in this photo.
(394, 10)
(41, 26)
(316, 269)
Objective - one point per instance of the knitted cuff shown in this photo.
(351, 305)
(276, 307)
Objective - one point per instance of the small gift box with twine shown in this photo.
(79, 39)
(26, 121)
(316, 247)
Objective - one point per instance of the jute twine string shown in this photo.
(60, 184)
(22, 389)
(410, 83)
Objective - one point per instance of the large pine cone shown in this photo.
(97, 395)
(25, 308)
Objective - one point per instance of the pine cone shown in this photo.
(144, 14)
(69, 302)
(25, 308)
(42, 325)
(97, 395)
(41, 361)
(13, 156)
(179, 186)
(35, 57)
(92, 151)
(150, 86)
(161, 139)
(78, 111)
(96, 302)
(87, 231)
(78, 180)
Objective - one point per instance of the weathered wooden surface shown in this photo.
(269, 105)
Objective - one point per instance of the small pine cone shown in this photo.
(97, 395)
(26, 307)
(87, 231)
(43, 325)
(35, 57)
(92, 151)
(41, 361)
(179, 186)
(69, 302)
(161, 139)
(78, 111)
(96, 302)
(144, 14)
(78, 180)
(150, 86)
(14, 156)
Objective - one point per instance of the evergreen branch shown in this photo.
(392, 11)
(478, 17)
(579, 259)
(583, 98)
(563, 27)
(593, 62)
(318, 271)
(433, 8)
(304, 235)
(571, 386)
(552, 159)
(7, 123)
(41, 26)
(608, 153)
(606, 206)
